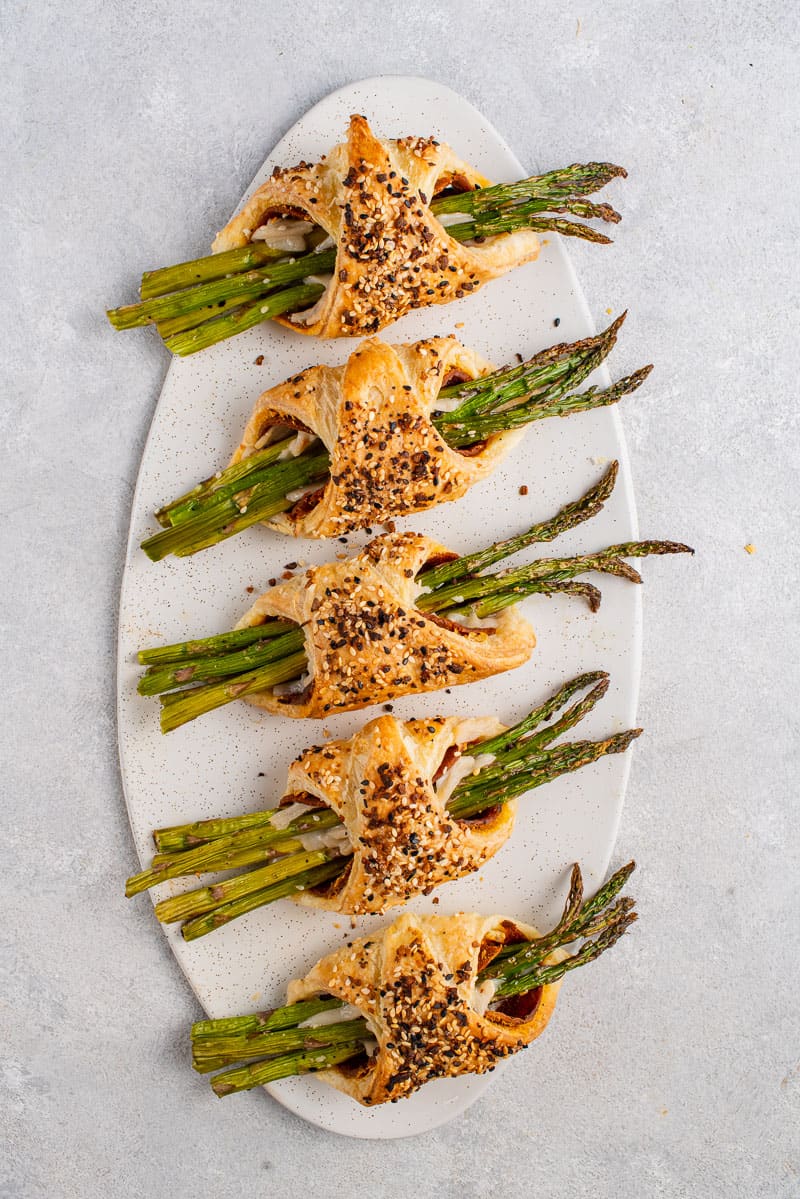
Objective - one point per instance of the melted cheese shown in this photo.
(309, 315)
(297, 494)
(463, 766)
(293, 687)
(284, 234)
(336, 1015)
(450, 404)
(325, 838)
(469, 619)
(483, 995)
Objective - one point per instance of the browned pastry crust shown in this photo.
(367, 643)
(374, 416)
(381, 782)
(415, 982)
(372, 198)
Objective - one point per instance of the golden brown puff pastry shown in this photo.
(416, 983)
(366, 642)
(372, 198)
(381, 783)
(374, 417)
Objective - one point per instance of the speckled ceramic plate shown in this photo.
(236, 758)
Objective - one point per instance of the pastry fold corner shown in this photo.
(416, 984)
(372, 198)
(374, 417)
(366, 642)
(382, 783)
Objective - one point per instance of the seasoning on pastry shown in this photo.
(368, 823)
(404, 615)
(346, 246)
(427, 997)
(395, 430)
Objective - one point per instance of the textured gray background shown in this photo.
(130, 129)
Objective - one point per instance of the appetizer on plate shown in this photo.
(404, 615)
(368, 823)
(346, 246)
(427, 997)
(396, 430)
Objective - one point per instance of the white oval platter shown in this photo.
(235, 759)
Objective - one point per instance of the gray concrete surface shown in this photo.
(129, 131)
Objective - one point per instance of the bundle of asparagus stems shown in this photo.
(194, 677)
(280, 864)
(256, 488)
(196, 304)
(253, 1050)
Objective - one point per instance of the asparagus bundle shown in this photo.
(194, 677)
(252, 1050)
(259, 486)
(273, 861)
(199, 303)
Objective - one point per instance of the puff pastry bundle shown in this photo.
(366, 639)
(404, 615)
(428, 997)
(346, 246)
(381, 783)
(374, 416)
(393, 254)
(395, 430)
(375, 820)
(417, 984)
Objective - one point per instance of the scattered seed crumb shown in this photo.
(519, 358)
(327, 733)
(343, 540)
(609, 311)
(341, 556)
(523, 489)
(578, 28)
(546, 241)
(337, 925)
(435, 899)
(290, 566)
(664, 1111)
(751, 549)
(600, 461)
(261, 774)
(388, 707)
(287, 574)
(249, 590)
(557, 322)
(390, 526)
(459, 324)
(272, 582)
(260, 360)
(255, 996)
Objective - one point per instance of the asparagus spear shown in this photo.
(204, 270)
(518, 969)
(208, 646)
(182, 299)
(255, 488)
(208, 921)
(521, 762)
(238, 320)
